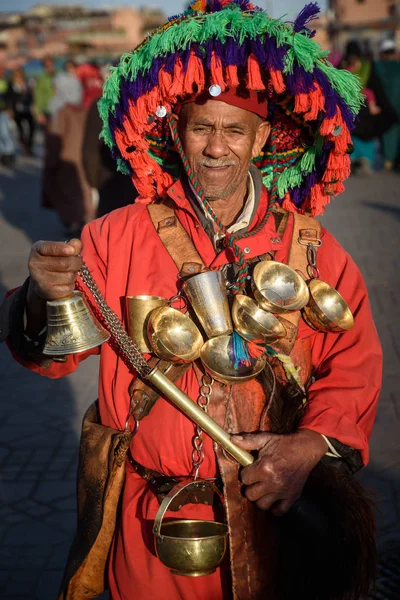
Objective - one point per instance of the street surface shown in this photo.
(40, 419)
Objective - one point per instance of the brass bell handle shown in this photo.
(174, 493)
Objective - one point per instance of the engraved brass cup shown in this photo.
(216, 356)
(254, 323)
(327, 310)
(138, 310)
(208, 297)
(72, 327)
(278, 288)
(189, 547)
(173, 335)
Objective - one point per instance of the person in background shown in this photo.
(388, 70)
(7, 144)
(114, 188)
(376, 117)
(66, 188)
(21, 100)
(44, 91)
(91, 79)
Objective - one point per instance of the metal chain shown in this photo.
(312, 269)
(126, 345)
(198, 441)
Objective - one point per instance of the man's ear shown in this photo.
(263, 131)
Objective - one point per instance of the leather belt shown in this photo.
(161, 485)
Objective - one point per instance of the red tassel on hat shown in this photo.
(277, 81)
(164, 82)
(288, 205)
(301, 103)
(177, 86)
(254, 79)
(232, 76)
(217, 74)
(317, 103)
(194, 74)
(318, 200)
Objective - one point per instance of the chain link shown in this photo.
(125, 344)
(312, 269)
(203, 401)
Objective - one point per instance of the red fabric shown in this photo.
(92, 83)
(126, 257)
(252, 103)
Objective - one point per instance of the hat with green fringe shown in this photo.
(225, 45)
(234, 44)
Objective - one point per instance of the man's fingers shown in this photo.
(58, 248)
(57, 264)
(256, 472)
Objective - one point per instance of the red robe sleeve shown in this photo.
(348, 366)
(94, 254)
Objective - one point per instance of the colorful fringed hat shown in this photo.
(234, 44)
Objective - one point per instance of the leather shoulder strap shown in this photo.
(305, 231)
(175, 239)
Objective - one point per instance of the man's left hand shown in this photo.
(276, 479)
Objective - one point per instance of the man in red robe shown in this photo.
(221, 134)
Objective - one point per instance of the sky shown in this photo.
(277, 8)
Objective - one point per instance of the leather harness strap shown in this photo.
(175, 239)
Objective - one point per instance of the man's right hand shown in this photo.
(53, 268)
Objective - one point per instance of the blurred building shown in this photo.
(72, 30)
(370, 21)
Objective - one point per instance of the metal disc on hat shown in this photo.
(215, 90)
(161, 111)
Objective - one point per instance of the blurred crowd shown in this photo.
(80, 180)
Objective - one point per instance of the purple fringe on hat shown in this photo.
(309, 13)
(300, 81)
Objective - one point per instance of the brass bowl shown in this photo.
(254, 323)
(327, 310)
(191, 547)
(173, 335)
(278, 288)
(217, 360)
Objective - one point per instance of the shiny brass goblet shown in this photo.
(254, 323)
(173, 335)
(278, 288)
(326, 309)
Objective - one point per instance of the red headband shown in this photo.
(251, 102)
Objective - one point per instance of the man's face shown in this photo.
(220, 141)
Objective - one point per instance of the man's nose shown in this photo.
(216, 146)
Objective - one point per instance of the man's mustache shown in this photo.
(217, 163)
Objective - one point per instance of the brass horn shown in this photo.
(72, 327)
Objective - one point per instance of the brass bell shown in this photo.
(72, 327)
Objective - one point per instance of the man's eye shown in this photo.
(201, 129)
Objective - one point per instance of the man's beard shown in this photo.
(210, 192)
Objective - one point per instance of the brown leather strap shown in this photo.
(176, 240)
(144, 395)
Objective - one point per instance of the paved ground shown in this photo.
(40, 419)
